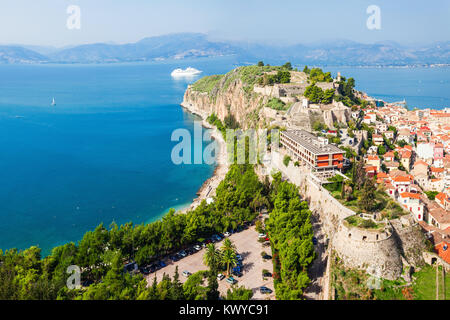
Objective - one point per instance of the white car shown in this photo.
(186, 274)
(220, 276)
(261, 235)
(226, 234)
(197, 247)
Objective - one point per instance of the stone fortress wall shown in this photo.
(380, 252)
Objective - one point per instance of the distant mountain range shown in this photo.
(193, 45)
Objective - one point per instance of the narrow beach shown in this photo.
(208, 189)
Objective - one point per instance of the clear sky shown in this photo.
(43, 22)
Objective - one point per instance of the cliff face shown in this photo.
(227, 99)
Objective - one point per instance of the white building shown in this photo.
(425, 151)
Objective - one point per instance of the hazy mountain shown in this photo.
(16, 54)
(186, 45)
(177, 46)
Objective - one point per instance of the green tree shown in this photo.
(229, 259)
(211, 258)
(366, 199)
(260, 64)
(381, 150)
(239, 293)
(306, 70)
(288, 66)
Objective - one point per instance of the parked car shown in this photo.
(237, 273)
(174, 258)
(182, 253)
(161, 263)
(227, 234)
(265, 290)
(267, 239)
(197, 247)
(314, 240)
(186, 273)
(239, 257)
(267, 257)
(220, 276)
(267, 274)
(190, 251)
(208, 241)
(261, 235)
(231, 280)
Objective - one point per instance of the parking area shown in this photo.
(250, 249)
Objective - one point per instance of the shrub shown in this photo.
(276, 104)
(286, 160)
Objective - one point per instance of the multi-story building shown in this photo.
(313, 151)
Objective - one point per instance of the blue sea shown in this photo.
(103, 153)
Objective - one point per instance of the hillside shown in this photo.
(264, 96)
(192, 45)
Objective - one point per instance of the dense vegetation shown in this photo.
(101, 253)
(317, 75)
(282, 76)
(317, 95)
(276, 104)
(290, 230)
(207, 84)
(360, 193)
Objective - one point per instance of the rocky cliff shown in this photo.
(235, 94)
(226, 95)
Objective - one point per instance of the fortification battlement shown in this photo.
(355, 233)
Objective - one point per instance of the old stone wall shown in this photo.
(365, 249)
(359, 248)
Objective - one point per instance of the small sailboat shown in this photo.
(53, 102)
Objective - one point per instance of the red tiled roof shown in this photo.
(402, 179)
(441, 197)
(443, 253)
(420, 162)
(406, 154)
(408, 147)
(410, 195)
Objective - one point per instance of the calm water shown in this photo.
(421, 87)
(103, 153)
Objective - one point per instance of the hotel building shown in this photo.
(311, 150)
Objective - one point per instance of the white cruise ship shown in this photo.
(188, 72)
